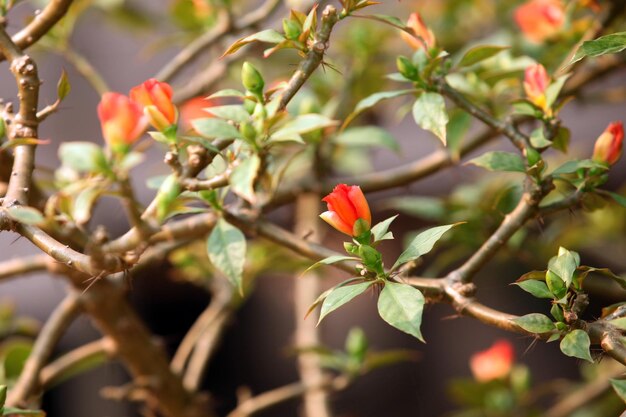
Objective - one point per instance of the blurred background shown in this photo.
(129, 41)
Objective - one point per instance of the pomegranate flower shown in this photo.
(540, 19)
(346, 204)
(416, 24)
(493, 363)
(608, 147)
(155, 98)
(121, 120)
(536, 81)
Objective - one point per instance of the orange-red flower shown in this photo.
(540, 19)
(194, 109)
(346, 204)
(121, 120)
(608, 147)
(493, 363)
(536, 81)
(425, 37)
(155, 98)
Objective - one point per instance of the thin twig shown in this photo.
(14, 268)
(55, 327)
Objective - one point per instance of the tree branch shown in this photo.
(24, 265)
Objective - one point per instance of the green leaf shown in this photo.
(422, 244)
(320, 299)
(234, 112)
(3, 396)
(553, 90)
(609, 44)
(401, 306)
(619, 199)
(576, 344)
(564, 266)
(268, 36)
(9, 411)
(458, 126)
(331, 260)
(534, 323)
(300, 125)
(572, 166)
(371, 101)
(226, 247)
(619, 385)
(500, 161)
(429, 112)
(557, 312)
(537, 288)
(340, 296)
(480, 53)
(380, 230)
(14, 356)
(83, 204)
(556, 284)
(83, 156)
(367, 136)
(213, 128)
(25, 215)
(538, 139)
(243, 176)
(228, 92)
(63, 86)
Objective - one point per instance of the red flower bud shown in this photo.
(536, 81)
(346, 204)
(121, 119)
(493, 363)
(155, 98)
(540, 19)
(416, 24)
(608, 147)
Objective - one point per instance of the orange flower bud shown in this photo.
(121, 119)
(608, 147)
(416, 24)
(346, 204)
(194, 109)
(155, 98)
(536, 81)
(493, 363)
(540, 19)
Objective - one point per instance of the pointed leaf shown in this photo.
(371, 101)
(500, 161)
(380, 229)
(535, 323)
(609, 44)
(401, 306)
(480, 53)
(537, 288)
(331, 260)
(243, 176)
(300, 125)
(429, 112)
(25, 215)
(215, 128)
(226, 247)
(422, 244)
(268, 36)
(234, 112)
(63, 86)
(340, 296)
(576, 344)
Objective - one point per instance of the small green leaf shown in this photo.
(25, 215)
(213, 128)
(537, 288)
(63, 86)
(619, 385)
(234, 112)
(619, 199)
(458, 126)
(557, 312)
(331, 260)
(9, 411)
(422, 244)
(535, 323)
(401, 306)
(243, 176)
(268, 36)
(480, 53)
(340, 296)
(371, 101)
(83, 156)
(226, 247)
(609, 44)
(300, 125)
(380, 229)
(556, 284)
(429, 112)
(83, 204)
(576, 344)
(166, 196)
(500, 161)
(572, 166)
(553, 90)
(564, 266)
(538, 139)
(3, 396)
(367, 136)
(228, 92)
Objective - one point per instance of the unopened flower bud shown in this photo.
(252, 79)
(424, 37)
(609, 145)
(540, 19)
(536, 81)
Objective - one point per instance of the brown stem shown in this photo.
(14, 268)
(59, 321)
(40, 25)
